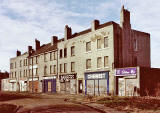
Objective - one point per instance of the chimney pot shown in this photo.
(18, 53)
(54, 40)
(95, 24)
(37, 44)
(68, 32)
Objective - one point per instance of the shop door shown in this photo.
(80, 86)
(49, 86)
(54, 86)
(90, 87)
(103, 86)
(121, 87)
(96, 87)
(62, 87)
(67, 87)
(131, 87)
(72, 86)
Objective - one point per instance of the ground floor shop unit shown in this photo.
(23, 85)
(49, 84)
(97, 83)
(33, 85)
(68, 83)
(137, 81)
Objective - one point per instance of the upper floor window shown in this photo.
(45, 57)
(135, 45)
(65, 67)
(15, 74)
(36, 71)
(65, 52)
(72, 66)
(51, 56)
(105, 42)
(73, 51)
(88, 46)
(11, 65)
(15, 65)
(24, 62)
(98, 43)
(99, 62)
(51, 69)
(20, 74)
(54, 55)
(61, 68)
(20, 63)
(54, 69)
(45, 70)
(88, 64)
(24, 73)
(106, 63)
(36, 59)
(61, 53)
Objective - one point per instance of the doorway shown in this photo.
(80, 86)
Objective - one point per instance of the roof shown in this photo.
(45, 48)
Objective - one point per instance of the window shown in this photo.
(51, 56)
(15, 65)
(105, 42)
(36, 59)
(65, 52)
(54, 53)
(15, 74)
(45, 57)
(20, 63)
(98, 43)
(45, 70)
(61, 66)
(88, 46)
(54, 67)
(60, 53)
(72, 66)
(72, 51)
(20, 73)
(99, 62)
(30, 72)
(24, 62)
(106, 61)
(36, 71)
(65, 67)
(24, 73)
(30, 61)
(11, 65)
(135, 45)
(51, 69)
(88, 64)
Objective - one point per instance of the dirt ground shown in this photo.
(66, 103)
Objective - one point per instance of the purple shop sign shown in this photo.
(126, 71)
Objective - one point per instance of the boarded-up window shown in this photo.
(65, 67)
(88, 46)
(99, 62)
(54, 70)
(72, 66)
(98, 43)
(105, 42)
(105, 61)
(20, 73)
(88, 64)
(72, 51)
(61, 66)
(65, 52)
(135, 45)
(49, 86)
(26, 72)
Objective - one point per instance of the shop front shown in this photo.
(127, 81)
(23, 85)
(34, 85)
(68, 83)
(49, 84)
(14, 85)
(97, 83)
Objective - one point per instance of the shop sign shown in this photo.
(53, 77)
(34, 79)
(97, 75)
(67, 78)
(12, 80)
(126, 71)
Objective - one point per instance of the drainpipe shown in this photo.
(57, 73)
(32, 74)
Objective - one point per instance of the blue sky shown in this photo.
(21, 21)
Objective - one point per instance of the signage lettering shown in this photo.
(126, 72)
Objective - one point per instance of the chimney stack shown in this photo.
(18, 53)
(68, 32)
(95, 25)
(29, 50)
(37, 44)
(54, 40)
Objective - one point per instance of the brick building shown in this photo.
(84, 62)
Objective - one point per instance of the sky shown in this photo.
(23, 21)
